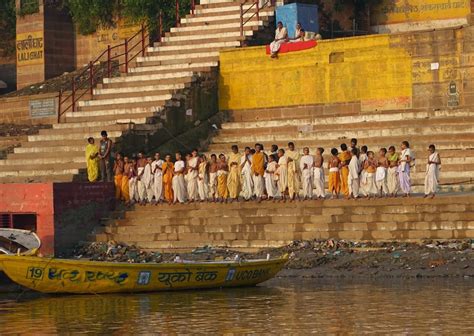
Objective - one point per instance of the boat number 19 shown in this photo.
(35, 273)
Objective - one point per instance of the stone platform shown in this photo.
(252, 226)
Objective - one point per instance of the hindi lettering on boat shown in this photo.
(169, 278)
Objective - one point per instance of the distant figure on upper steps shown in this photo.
(92, 159)
(432, 172)
(105, 148)
(299, 34)
(281, 36)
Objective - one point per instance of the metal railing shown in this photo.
(255, 5)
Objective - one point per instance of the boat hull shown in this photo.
(50, 275)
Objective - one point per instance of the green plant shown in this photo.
(7, 27)
(28, 7)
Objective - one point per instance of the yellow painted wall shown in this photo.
(371, 72)
(399, 11)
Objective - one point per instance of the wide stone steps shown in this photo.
(246, 225)
(115, 115)
(121, 108)
(178, 49)
(179, 79)
(106, 92)
(143, 78)
(183, 57)
(195, 67)
(204, 38)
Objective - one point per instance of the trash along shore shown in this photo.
(322, 258)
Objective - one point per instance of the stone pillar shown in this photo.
(44, 44)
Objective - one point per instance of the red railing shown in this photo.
(257, 7)
(131, 49)
(90, 78)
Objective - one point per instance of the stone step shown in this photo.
(52, 146)
(223, 28)
(33, 174)
(131, 79)
(137, 89)
(192, 47)
(38, 178)
(368, 119)
(196, 68)
(157, 81)
(119, 109)
(226, 16)
(104, 124)
(94, 130)
(128, 100)
(205, 37)
(186, 57)
(30, 170)
(119, 116)
(200, 42)
(69, 136)
(178, 61)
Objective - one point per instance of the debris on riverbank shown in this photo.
(323, 258)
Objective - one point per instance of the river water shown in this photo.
(278, 307)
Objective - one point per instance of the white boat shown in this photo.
(17, 241)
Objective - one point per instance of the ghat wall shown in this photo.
(379, 72)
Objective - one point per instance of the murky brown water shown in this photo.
(279, 307)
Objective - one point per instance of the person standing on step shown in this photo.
(141, 188)
(233, 179)
(157, 169)
(281, 36)
(105, 148)
(213, 168)
(281, 174)
(222, 173)
(354, 171)
(294, 176)
(179, 187)
(132, 181)
(318, 174)
(147, 179)
(125, 188)
(258, 170)
(345, 158)
(168, 171)
(192, 176)
(269, 176)
(406, 157)
(306, 168)
(432, 172)
(334, 180)
(363, 172)
(246, 171)
(393, 183)
(92, 159)
(371, 168)
(118, 175)
(381, 173)
(203, 178)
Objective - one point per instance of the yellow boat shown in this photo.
(51, 275)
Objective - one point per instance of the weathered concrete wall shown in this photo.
(78, 207)
(32, 198)
(411, 15)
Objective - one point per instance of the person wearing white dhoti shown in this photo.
(306, 168)
(281, 174)
(281, 36)
(299, 34)
(246, 173)
(370, 168)
(156, 168)
(140, 185)
(318, 174)
(192, 176)
(432, 172)
(269, 176)
(179, 187)
(353, 177)
(381, 173)
(147, 179)
(203, 179)
(406, 158)
(363, 172)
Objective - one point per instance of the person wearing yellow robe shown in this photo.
(222, 172)
(118, 175)
(167, 169)
(233, 179)
(334, 181)
(293, 171)
(92, 159)
(124, 187)
(345, 158)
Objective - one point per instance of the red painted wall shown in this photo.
(66, 212)
(36, 198)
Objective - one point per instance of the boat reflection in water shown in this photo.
(278, 306)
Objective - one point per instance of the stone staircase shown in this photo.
(451, 130)
(252, 226)
(132, 103)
